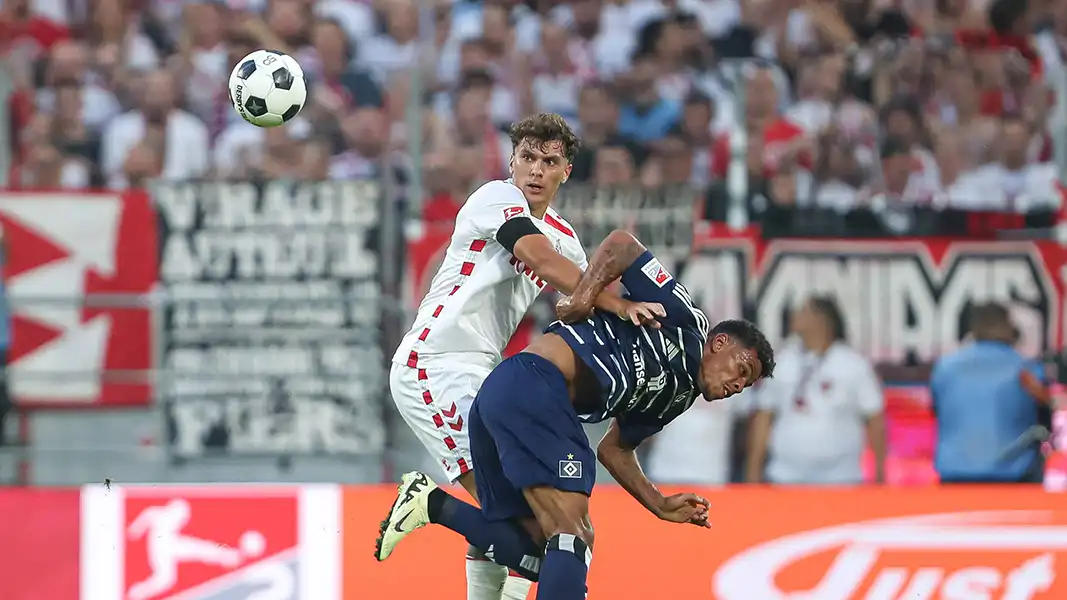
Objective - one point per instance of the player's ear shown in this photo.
(720, 341)
(567, 173)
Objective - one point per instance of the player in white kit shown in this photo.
(508, 244)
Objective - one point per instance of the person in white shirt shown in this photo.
(823, 404)
(507, 245)
(696, 447)
(1013, 183)
(181, 138)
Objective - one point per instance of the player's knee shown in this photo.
(576, 545)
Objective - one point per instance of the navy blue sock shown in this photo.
(564, 570)
(503, 542)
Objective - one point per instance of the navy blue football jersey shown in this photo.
(647, 376)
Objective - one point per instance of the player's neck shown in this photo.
(539, 209)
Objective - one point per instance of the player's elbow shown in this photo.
(623, 246)
(611, 447)
(622, 238)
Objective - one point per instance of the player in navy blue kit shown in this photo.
(536, 466)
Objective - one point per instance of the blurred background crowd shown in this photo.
(931, 102)
(835, 104)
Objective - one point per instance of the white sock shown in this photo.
(485, 579)
(516, 588)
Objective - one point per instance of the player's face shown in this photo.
(727, 368)
(539, 168)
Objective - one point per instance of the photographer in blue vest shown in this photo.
(990, 403)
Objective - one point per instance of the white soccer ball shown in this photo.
(267, 88)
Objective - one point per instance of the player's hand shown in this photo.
(571, 310)
(685, 508)
(643, 313)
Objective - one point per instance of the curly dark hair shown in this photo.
(748, 335)
(543, 128)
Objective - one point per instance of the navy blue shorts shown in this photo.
(524, 433)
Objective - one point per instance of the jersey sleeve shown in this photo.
(647, 281)
(491, 205)
(576, 253)
(632, 432)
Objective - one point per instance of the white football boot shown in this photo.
(409, 512)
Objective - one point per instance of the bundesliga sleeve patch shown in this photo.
(513, 211)
(655, 271)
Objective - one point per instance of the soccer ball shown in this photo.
(267, 88)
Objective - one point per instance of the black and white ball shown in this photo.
(267, 88)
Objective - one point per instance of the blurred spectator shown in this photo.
(354, 88)
(614, 165)
(898, 184)
(823, 404)
(452, 178)
(770, 137)
(698, 114)
(69, 65)
(1013, 182)
(646, 115)
(45, 165)
(365, 135)
(598, 122)
(473, 125)
(670, 164)
(696, 447)
(397, 47)
(556, 79)
(988, 401)
(181, 139)
(902, 121)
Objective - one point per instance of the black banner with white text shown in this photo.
(272, 331)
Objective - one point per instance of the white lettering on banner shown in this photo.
(860, 546)
(274, 318)
(899, 306)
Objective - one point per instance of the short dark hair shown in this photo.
(990, 321)
(543, 128)
(474, 79)
(748, 335)
(893, 146)
(828, 308)
(1005, 14)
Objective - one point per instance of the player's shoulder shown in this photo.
(557, 222)
(499, 191)
(493, 201)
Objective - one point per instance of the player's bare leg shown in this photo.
(487, 580)
(564, 520)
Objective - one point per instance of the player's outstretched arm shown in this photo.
(617, 452)
(614, 255)
(537, 252)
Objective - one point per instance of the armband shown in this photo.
(512, 230)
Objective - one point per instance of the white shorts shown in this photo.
(435, 402)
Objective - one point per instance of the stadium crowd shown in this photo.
(844, 101)
(833, 103)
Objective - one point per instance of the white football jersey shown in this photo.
(481, 292)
